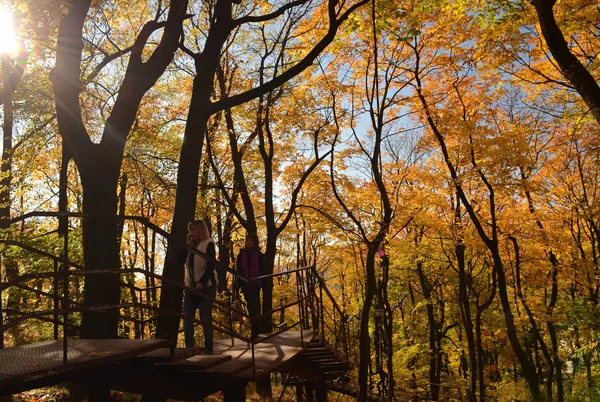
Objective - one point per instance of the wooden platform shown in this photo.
(269, 355)
(195, 377)
(147, 366)
(234, 357)
(35, 365)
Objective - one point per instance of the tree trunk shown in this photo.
(569, 64)
(100, 231)
(63, 197)
(189, 164)
(478, 339)
(491, 244)
(480, 361)
(99, 164)
(363, 335)
(527, 368)
(185, 207)
(11, 76)
(465, 313)
(434, 350)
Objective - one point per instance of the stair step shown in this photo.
(328, 368)
(326, 360)
(318, 355)
(319, 350)
(314, 357)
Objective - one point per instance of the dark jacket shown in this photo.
(239, 264)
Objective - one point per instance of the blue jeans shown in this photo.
(191, 303)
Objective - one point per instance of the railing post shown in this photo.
(65, 301)
(230, 301)
(321, 302)
(142, 315)
(253, 360)
(55, 285)
(1, 315)
(300, 304)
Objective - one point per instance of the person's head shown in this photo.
(198, 230)
(251, 240)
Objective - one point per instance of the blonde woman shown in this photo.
(199, 274)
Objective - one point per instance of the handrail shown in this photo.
(326, 289)
(51, 214)
(311, 294)
(341, 334)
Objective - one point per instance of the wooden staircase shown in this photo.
(322, 358)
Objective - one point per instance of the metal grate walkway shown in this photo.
(27, 366)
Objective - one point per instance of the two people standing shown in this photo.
(200, 273)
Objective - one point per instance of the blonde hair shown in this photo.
(202, 227)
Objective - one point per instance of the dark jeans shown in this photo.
(191, 303)
(252, 296)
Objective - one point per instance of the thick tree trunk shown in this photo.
(63, 200)
(185, 207)
(11, 76)
(569, 64)
(100, 226)
(434, 350)
(465, 313)
(99, 163)
(363, 335)
(189, 164)
(527, 368)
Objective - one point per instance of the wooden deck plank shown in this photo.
(269, 354)
(199, 363)
(164, 355)
(41, 363)
(230, 368)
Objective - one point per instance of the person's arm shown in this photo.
(210, 267)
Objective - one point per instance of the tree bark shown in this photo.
(569, 64)
(363, 334)
(465, 313)
(12, 72)
(434, 334)
(189, 162)
(99, 164)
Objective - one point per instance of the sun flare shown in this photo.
(8, 38)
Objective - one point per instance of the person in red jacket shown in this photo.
(250, 264)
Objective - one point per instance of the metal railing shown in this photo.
(313, 306)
